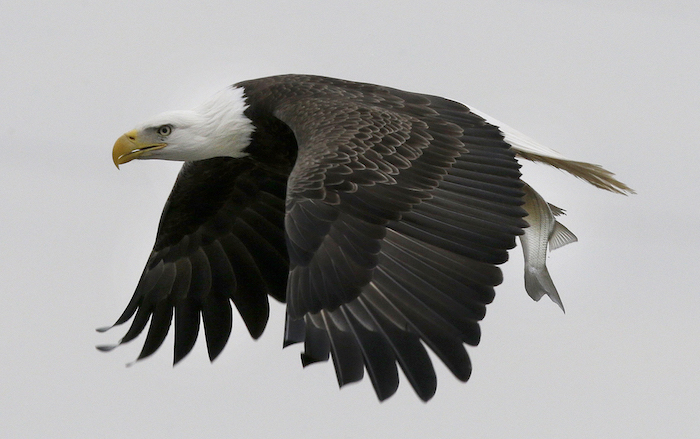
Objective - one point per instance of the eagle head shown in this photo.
(217, 128)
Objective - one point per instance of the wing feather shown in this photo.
(221, 239)
(377, 355)
(345, 352)
(160, 325)
(409, 353)
(187, 319)
(399, 208)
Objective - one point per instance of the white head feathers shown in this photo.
(217, 128)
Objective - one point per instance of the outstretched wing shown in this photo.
(220, 239)
(398, 210)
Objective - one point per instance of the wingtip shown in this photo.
(286, 343)
(214, 353)
(178, 357)
(307, 359)
(106, 347)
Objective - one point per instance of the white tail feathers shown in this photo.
(596, 175)
(528, 149)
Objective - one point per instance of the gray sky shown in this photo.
(612, 82)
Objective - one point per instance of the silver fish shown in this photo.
(544, 231)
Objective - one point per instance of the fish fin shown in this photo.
(556, 211)
(560, 236)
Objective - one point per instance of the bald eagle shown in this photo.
(379, 216)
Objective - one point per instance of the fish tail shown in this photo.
(538, 282)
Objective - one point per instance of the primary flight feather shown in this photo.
(379, 216)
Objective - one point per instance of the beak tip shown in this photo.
(122, 148)
(128, 147)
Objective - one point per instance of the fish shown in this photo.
(544, 233)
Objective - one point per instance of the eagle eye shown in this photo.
(164, 130)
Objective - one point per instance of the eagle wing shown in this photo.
(398, 209)
(220, 239)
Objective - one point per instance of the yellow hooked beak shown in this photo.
(129, 147)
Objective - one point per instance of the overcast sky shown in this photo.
(614, 82)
